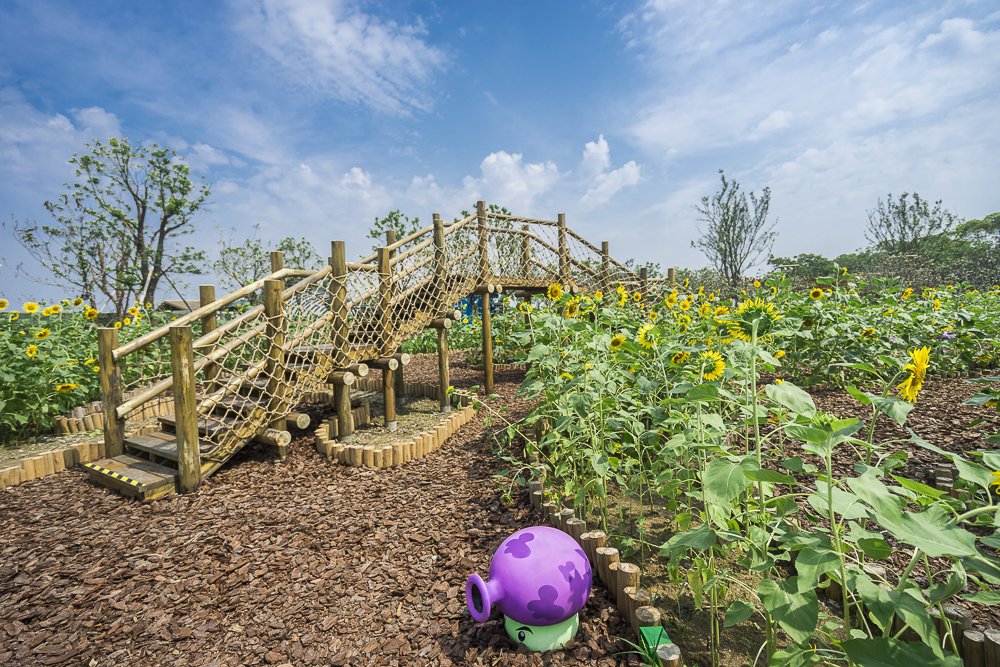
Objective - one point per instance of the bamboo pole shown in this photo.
(275, 367)
(111, 391)
(186, 412)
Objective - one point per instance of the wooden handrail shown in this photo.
(157, 334)
(410, 252)
(514, 218)
(406, 239)
(455, 226)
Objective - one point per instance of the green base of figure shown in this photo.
(543, 637)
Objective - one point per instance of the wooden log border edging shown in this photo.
(396, 453)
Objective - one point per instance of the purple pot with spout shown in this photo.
(538, 576)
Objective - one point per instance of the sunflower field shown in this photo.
(683, 406)
(48, 361)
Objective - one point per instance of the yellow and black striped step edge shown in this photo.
(111, 473)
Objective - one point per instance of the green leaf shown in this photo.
(703, 392)
(987, 566)
(876, 599)
(766, 475)
(538, 351)
(738, 612)
(796, 612)
(792, 397)
(930, 532)
(973, 472)
(875, 548)
(917, 487)
(812, 563)
(873, 492)
(701, 537)
(861, 397)
(895, 407)
(885, 652)
(955, 583)
(844, 504)
(983, 597)
(724, 482)
(807, 433)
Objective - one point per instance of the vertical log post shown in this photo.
(563, 253)
(605, 268)
(206, 295)
(339, 333)
(111, 391)
(397, 376)
(525, 254)
(671, 277)
(275, 366)
(484, 273)
(385, 292)
(644, 283)
(442, 333)
(185, 409)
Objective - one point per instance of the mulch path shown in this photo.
(292, 561)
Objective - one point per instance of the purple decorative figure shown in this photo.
(540, 579)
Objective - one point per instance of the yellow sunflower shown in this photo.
(756, 283)
(97, 368)
(719, 312)
(43, 334)
(555, 291)
(705, 309)
(616, 342)
(937, 304)
(31, 307)
(620, 290)
(637, 297)
(132, 311)
(566, 376)
(3, 304)
(32, 350)
(907, 293)
(653, 315)
(91, 314)
(684, 321)
(749, 311)
(77, 301)
(868, 333)
(89, 362)
(47, 312)
(778, 381)
(14, 316)
(66, 387)
(684, 305)
(55, 308)
(816, 293)
(670, 301)
(679, 358)
(909, 388)
(127, 321)
(645, 337)
(712, 365)
(572, 309)
(779, 354)
(118, 325)
(599, 295)
(525, 308)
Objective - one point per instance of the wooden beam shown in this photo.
(487, 344)
(185, 409)
(275, 348)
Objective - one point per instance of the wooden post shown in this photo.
(385, 308)
(671, 277)
(484, 260)
(628, 575)
(487, 343)
(563, 253)
(525, 253)
(605, 268)
(206, 295)
(111, 391)
(390, 238)
(973, 644)
(644, 283)
(338, 303)
(606, 556)
(442, 333)
(275, 367)
(185, 409)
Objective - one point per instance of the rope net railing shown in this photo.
(251, 370)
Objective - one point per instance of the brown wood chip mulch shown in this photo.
(294, 561)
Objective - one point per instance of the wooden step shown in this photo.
(161, 444)
(242, 403)
(207, 426)
(133, 476)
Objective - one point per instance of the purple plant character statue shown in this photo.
(540, 579)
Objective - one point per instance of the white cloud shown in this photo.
(203, 156)
(337, 50)
(606, 185)
(596, 157)
(356, 176)
(509, 182)
(775, 120)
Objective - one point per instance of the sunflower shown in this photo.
(118, 325)
(47, 312)
(599, 295)
(816, 293)
(132, 311)
(705, 309)
(684, 321)
(31, 307)
(90, 314)
(712, 365)
(637, 297)
(779, 354)
(756, 283)
(77, 301)
(937, 304)
(623, 300)
(868, 333)
(679, 358)
(995, 479)
(670, 301)
(31, 351)
(684, 305)
(566, 376)
(555, 291)
(14, 316)
(43, 334)
(616, 342)
(909, 388)
(572, 309)
(645, 337)
(66, 387)
(97, 368)
(774, 290)
(808, 323)
(127, 321)
(3, 304)
(763, 312)
(55, 308)
(907, 293)
(89, 362)
(653, 315)
(778, 381)
(525, 308)
(719, 312)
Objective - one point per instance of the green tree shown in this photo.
(114, 228)
(809, 265)
(242, 263)
(908, 227)
(395, 221)
(737, 233)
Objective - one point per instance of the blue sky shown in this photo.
(312, 118)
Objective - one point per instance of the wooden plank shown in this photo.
(133, 476)
(206, 425)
